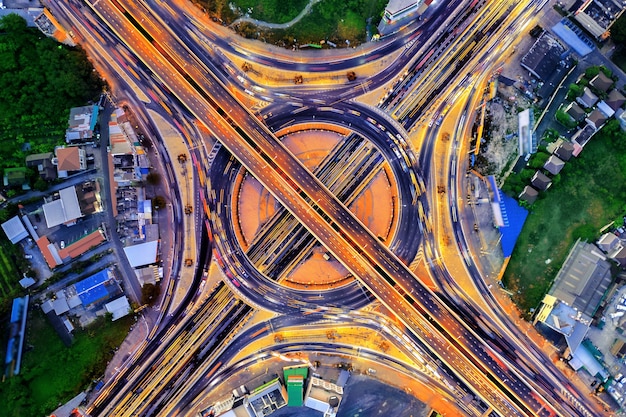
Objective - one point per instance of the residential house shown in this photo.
(620, 257)
(529, 194)
(615, 100)
(43, 163)
(82, 123)
(70, 160)
(16, 178)
(596, 119)
(601, 82)
(605, 109)
(581, 137)
(540, 181)
(554, 165)
(588, 99)
(608, 242)
(575, 111)
(564, 151)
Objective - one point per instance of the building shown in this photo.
(615, 100)
(597, 16)
(564, 151)
(563, 319)
(582, 137)
(588, 98)
(596, 119)
(619, 256)
(583, 279)
(82, 123)
(16, 178)
(544, 57)
(540, 181)
(605, 109)
(64, 210)
(573, 326)
(601, 82)
(573, 37)
(14, 229)
(118, 308)
(295, 377)
(49, 252)
(529, 194)
(323, 396)
(142, 254)
(70, 160)
(554, 165)
(266, 399)
(575, 111)
(527, 140)
(608, 242)
(17, 326)
(399, 9)
(95, 289)
(82, 245)
(43, 163)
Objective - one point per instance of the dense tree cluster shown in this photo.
(40, 80)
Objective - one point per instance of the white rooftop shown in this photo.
(14, 229)
(118, 307)
(142, 254)
(63, 210)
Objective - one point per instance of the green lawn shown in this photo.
(589, 195)
(52, 373)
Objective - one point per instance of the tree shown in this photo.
(153, 178)
(565, 119)
(592, 71)
(618, 30)
(40, 184)
(149, 293)
(40, 80)
(158, 202)
(538, 160)
(351, 75)
(574, 91)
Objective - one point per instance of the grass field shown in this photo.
(52, 373)
(590, 194)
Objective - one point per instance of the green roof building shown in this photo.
(294, 379)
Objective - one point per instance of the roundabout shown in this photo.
(362, 158)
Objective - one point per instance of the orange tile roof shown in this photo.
(82, 245)
(43, 243)
(68, 159)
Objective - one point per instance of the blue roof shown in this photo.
(92, 288)
(514, 217)
(94, 117)
(10, 348)
(572, 39)
(16, 312)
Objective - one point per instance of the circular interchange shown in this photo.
(233, 242)
(254, 206)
